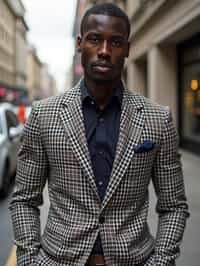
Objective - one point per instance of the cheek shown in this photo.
(118, 61)
(87, 56)
(118, 56)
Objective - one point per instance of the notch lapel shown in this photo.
(72, 119)
(131, 125)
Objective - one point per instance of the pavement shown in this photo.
(6, 233)
(190, 248)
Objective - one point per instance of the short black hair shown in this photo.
(108, 9)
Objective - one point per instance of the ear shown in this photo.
(78, 44)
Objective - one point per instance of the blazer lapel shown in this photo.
(131, 125)
(72, 118)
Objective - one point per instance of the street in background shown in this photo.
(10, 133)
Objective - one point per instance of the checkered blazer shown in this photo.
(54, 149)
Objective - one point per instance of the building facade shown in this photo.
(77, 67)
(21, 43)
(13, 49)
(34, 66)
(48, 83)
(40, 83)
(164, 59)
(7, 44)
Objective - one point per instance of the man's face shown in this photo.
(104, 46)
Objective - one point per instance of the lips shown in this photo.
(103, 68)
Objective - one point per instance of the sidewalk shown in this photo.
(190, 248)
(190, 255)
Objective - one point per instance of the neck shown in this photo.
(101, 91)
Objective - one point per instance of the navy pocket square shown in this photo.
(147, 145)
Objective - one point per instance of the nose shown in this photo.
(104, 49)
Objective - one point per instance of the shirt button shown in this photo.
(101, 119)
(100, 183)
(101, 152)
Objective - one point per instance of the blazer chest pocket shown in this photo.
(144, 147)
(144, 155)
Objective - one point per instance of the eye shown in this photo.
(117, 42)
(94, 39)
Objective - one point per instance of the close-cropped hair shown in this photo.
(108, 9)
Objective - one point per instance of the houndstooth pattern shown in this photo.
(54, 149)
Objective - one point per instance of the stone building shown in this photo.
(164, 60)
(34, 66)
(48, 83)
(77, 68)
(13, 49)
(7, 44)
(21, 43)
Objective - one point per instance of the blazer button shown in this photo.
(101, 219)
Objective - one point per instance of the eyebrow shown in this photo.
(115, 35)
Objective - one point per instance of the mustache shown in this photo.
(102, 63)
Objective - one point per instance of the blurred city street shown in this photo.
(190, 248)
(6, 234)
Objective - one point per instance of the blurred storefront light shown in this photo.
(2, 92)
(194, 84)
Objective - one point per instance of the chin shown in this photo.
(102, 78)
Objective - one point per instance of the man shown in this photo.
(99, 146)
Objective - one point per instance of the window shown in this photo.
(11, 118)
(189, 56)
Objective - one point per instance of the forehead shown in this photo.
(105, 23)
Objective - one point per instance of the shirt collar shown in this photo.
(85, 94)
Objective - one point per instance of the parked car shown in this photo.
(10, 134)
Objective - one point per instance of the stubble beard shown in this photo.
(101, 79)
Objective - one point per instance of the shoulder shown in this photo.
(48, 104)
(53, 104)
(152, 109)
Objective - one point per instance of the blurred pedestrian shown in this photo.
(21, 113)
(99, 146)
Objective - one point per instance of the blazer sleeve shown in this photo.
(27, 196)
(171, 206)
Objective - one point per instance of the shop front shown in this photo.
(189, 94)
(14, 95)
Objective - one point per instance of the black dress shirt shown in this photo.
(102, 130)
